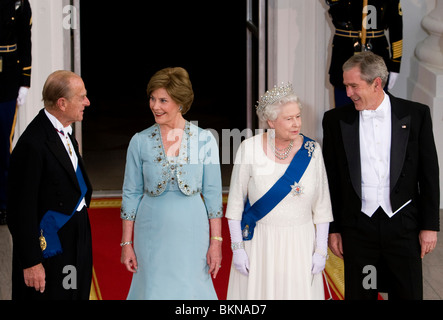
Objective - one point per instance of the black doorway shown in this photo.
(123, 45)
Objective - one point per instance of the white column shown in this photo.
(50, 52)
(299, 39)
(425, 83)
(430, 50)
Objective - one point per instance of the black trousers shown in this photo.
(69, 274)
(382, 254)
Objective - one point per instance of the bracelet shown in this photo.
(217, 238)
(237, 245)
(125, 243)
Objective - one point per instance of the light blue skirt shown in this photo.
(171, 240)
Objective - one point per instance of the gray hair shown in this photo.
(57, 85)
(271, 111)
(371, 67)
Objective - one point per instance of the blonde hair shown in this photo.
(57, 85)
(177, 84)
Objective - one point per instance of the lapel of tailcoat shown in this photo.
(351, 142)
(401, 125)
(58, 149)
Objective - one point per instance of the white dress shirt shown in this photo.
(64, 137)
(375, 157)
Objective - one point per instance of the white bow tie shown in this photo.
(373, 114)
(66, 130)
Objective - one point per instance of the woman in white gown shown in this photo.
(288, 249)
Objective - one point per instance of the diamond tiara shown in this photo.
(274, 95)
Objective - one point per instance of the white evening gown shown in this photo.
(280, 253)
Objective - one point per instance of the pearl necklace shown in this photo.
(281, 154)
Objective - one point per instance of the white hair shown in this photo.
(271, 111)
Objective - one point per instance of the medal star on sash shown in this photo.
(297, 189)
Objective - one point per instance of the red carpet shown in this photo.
(112, 280)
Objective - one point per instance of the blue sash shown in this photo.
(52, 221)
(279, 190)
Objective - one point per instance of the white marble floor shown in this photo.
(432, 268)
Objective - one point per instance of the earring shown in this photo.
(180, 108)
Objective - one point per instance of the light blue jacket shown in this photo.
(196, 169)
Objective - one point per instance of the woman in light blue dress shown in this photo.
(172, 200)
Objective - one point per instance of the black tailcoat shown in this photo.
(414, 164)
(41, 178)
(414, 175)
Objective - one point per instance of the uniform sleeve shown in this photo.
(24, 44)
(211, 181)
(133, 181)
(395, 28)
(428, 176)
(238, 190)
(321, 206)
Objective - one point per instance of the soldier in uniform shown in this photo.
(15, 78)
(348, 18)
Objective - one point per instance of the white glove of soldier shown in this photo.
(22, 93)
(392, 79)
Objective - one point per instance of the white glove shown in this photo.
(22, 93)
(239, 256)
(321, 248)
(392, 79)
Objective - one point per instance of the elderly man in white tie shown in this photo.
(383, 175)
(48, 195)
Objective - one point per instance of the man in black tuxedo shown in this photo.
(48, 192)
(383, 175)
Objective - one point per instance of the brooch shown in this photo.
(310, 146)
(297, 189)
